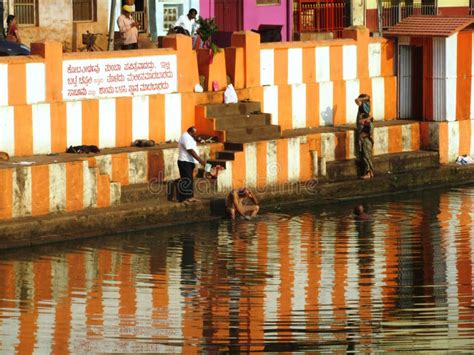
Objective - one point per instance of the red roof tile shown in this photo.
(429, 26)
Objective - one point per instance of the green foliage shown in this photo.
(207, 28)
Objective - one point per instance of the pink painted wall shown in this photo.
(254, 15)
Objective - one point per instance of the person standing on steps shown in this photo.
(187, 159)
(364, 136)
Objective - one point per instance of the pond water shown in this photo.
(302, 279)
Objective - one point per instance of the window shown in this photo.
(84, 10)
(26, 12)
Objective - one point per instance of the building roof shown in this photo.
(429, 26)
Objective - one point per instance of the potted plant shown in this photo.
(207, 28)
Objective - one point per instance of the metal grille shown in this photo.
(393, 13)
(139, 17)
(319, 16)
(25, 11)
(83, 10)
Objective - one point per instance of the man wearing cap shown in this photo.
(236, 203)
(128, 28)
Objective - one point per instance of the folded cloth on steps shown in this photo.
(464, 160)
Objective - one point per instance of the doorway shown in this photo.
(410, 88)
(228, 14)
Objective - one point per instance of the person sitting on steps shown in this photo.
(236, 203)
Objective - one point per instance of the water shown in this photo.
(298, 280)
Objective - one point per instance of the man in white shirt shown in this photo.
(187, 22)
(187, 159)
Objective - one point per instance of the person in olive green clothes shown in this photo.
(364, 137)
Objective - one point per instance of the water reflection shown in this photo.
(311, 280)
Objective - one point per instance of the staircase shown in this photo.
(237, 124)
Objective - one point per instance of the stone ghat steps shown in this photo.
(384, 164)
(224, 123)
(240, 108)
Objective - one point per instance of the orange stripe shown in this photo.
(286, 281)
(443, 142)
(415, 137)
(251, 44)
(464, 137)
(340, 279)
(312, 105)
(305, 163)
(74, 186)
(395, 143)
(6, 194)
(238, 170)
(390, 95)
(16, 84)
(281, 66)
(339, 102)
(387, 57)
(463, 81)
(309, 65)
(53, 68)
(156, 105)
(58, 127)
(362, 57)
(464, 257)
(341, 146)
(313, 257)
(90, 122)
(127, 288)
(366, 86)
(39, 190)
(282, 159)
(261, 164)
(285, 94)
(103, 191)
(23, 130)
(120, 168)
(335, 66)
(124, 121)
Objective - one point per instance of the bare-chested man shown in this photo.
(236, 203)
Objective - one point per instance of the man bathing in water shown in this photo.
(235, 203)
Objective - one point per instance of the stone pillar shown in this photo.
(52, 52)
(250, 42)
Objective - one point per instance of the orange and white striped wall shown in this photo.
(42, 189)
(451, 139)
(315, 83)
(289, 160)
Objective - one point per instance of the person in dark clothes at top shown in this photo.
(187, 159)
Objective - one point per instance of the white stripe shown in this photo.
(298, 107)
(451, 99)
(250, 164)
(352, 91)
(267, 67)
(57, 187)
(173, 117)
(10, 330)
(78, 328)
(3, 84)
(41, 121)
(143, 301)
(439, 79)
(326, 113)
(293, 159)
(74, 122)
(35, 83)
(326, 289)
(22, 192)
(7, 130)
(110, 310)
(224, 182)
(272, 285)
(406, 136)
(295, 66)
(273, 167)
(380, 140)
(45, 331)
(328, 146)
(451, 56)
(351, 292)
(107, 117)
(104, 163)
(270, 102)
(175, 299)
(140, 117)
(349, 62)
(453, 141)
(471, 153)
(90, 185)
(137, 167)
(115, 193)
(322, 64)
(375, 59)
(378, 98)
(380, 270)
(170, 157)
